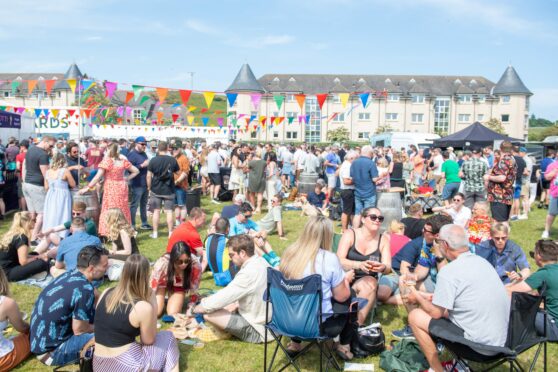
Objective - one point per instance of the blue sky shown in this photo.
(160, 42)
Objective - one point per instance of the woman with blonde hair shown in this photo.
(125, 312)
(120, 235)
(311, 254)
(14, 250)
(12, 350)
(58, 200)
(115, 190)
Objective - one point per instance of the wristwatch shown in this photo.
(440, 259)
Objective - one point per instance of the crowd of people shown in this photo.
(430, 266)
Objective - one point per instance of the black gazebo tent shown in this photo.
(475, 134)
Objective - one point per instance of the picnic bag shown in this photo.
(405, 356)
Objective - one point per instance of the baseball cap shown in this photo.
(141, 139)
(177, 144)
(522, 149)
(476, 150)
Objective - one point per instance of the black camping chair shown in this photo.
(522, 336)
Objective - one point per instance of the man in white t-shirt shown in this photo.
(347, 189)
(456, 210)
(298, 157)
(214, 162)
(437, 160)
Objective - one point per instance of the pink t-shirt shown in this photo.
(397, 242)
(554, 182)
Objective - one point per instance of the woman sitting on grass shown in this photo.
(176, 274)
(16, 350)
(125, 312)
(14, 250)
(121, 235)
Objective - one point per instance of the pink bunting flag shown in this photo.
(110, 88)
(220, 121)
(256, 99)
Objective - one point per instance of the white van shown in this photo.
(397, 140)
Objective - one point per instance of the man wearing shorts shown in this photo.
(180, 182)
(347, 190)
(450, 170)
(35, 167)
(160, 183)
(331, 163)
(501, 179)
(238, 308)
(518, 190)
(214, 162)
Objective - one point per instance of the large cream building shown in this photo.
(434, 104)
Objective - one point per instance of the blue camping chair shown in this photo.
(297, 312)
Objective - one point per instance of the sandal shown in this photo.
(294, 348)
(344, 353)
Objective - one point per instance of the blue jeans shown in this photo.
(139, 197)
(69, 350)
(363, 203)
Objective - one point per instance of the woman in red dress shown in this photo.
(115, 187)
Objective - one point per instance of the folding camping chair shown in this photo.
(297, 312)
(522, 336)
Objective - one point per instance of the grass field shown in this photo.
(233, 355)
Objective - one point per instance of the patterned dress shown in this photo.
(115, 191)
(502, 192)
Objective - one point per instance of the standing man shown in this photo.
(180, 181)
(347, 190)
(74, 161)
(20, 158)
(214, 163)
(35, 167)
(139, 159)
(436, 168)
(364, 174)
(500, 181)
(472, 173)
(160, 183)
(450, 170)
(545, 184)
(94, 155)
(332, 163)
(521, 165)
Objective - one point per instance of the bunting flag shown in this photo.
(321, 99)
(204, 110)
(263, 120)
(205, 120)
(129, 96)
(208, 96)
(128, 111)
(344, 98)
(300, 98)
(279, 98)
(185, 95)
(143, 99)
(364, 98)
(15, 85)
(220, 122)
(307, 119)
(54, 113)
(333, 116)
(291, 119)
(174, 118)
(38, 112)
(110, 88)
(31, 84)
(159, 116)
(256, 99)
(71, 112)
(86, 84)
(120, 111)
(190, 119)
(49, 84)
(192, 108)
(72, 83)
(231, 97)
(162, 93)
(138, 89)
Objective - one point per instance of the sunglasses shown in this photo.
(182, 262)
(500, 238)
(374, 217)
(141, 143)
(77, 213)
(247, 215)
(457, 200)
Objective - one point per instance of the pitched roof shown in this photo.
(475, 134)
(245, 81)
(510, 83)
(73, 72)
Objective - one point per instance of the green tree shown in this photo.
(340, 134)
(535, 122)
(383, 128)
(495, 125)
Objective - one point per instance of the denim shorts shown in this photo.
(516, 190)
(69, 350)
(450, 189)
(180, 197)
(363, 203)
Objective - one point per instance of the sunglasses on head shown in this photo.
(374, 217)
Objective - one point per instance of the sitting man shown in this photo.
(187, 232)
(228, 212)
(62, 319)
(507, 257)
(273, 219)
(68, 251)
(218, 254)
(239, 308)
(546, 257)
(414, 221)
(469, 300)
(317, 198)
(242, 224)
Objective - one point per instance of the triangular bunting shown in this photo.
(71, 112)
(15, 85)
(174, 118)
(162, 93)
(205, 120)
(364, 98)
(290, 118)
(31, 84)
(138, 89)
(159, 116)
(220, 121)
(54, 113)
(307, 119)
(208, 96)
(72, 83)
(129, 96)
(143, 99)
(86, 84)
(38, 112)
(256, 99)
(279, 98)
(185, 96)
(300, 98)
(203, 110)
(110, 88)
(49, 84)
(321, 99)
(190, 119)
(231, 97)
(344, 98)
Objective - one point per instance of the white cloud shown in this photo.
(201, 27)
(276, 39)
(259, 42)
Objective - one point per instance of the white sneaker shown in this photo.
(154, 235)
(522, 217)
(215, 201)
(545, 235)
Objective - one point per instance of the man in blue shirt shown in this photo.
(364, 175)
(332, 162)
(545, 196)
(139, 159)
(69, 248)
(62, 319)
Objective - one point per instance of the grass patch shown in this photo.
(233, 355)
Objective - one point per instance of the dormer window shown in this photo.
(336, 81)
(275, 79)
(464, 98)
(457, 82)
(387, 81)
(412, 81)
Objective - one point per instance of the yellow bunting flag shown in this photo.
(162, 93)
(192, 108)
(72, 83)
(344, 98)
(208, 96)
(54, 113)
(31, 84)
(190, 119)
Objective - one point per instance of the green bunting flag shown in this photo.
(138, 89)
(15, 85)
(279, 98)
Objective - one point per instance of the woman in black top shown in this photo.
(14, 250)
(396, 176)
(367, 252)
(125, 312)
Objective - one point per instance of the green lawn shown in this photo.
(233, 355)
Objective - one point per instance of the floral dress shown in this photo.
(479, 229)
(159, 276)
(115, 191)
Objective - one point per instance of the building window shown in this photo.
(136, 114)
(291, 114)
(391, 116)
(392, 97)
(463, 118)
(527, 103)
(480, 117)
(313, 128)
(339, 118)
(275, 113)
(275, 134)
(292, 135)
(481, 98)
(417, 98)
(253, 134)
(336, 98)
(363, 135)
(505, 118)
(464, 98)
(505, 99)
(441, 116)
(364, 116)
(6, 94)
(290, 98)
(59, 94)
(417, 118)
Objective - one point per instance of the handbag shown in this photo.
(86, 360)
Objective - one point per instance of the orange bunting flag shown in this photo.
(129, 96)
(72, 83)
(31, 84)
(162, 93)
(321, 99)
(49, 84)
(344, 98)
(300, 98)
(208, 96)
(185, 95)
(159, 116)
(217, 112)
